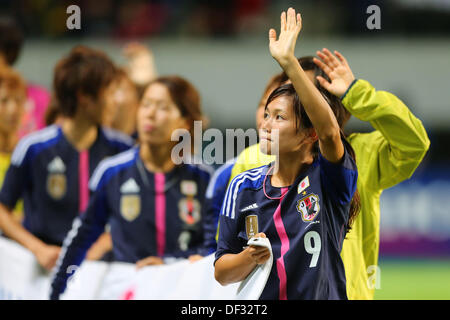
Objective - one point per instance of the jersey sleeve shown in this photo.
(339, 178)
(228, 240)
(400, 142)
(215, 195)
(85, 231)
(16, 179)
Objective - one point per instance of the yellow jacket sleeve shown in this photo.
(250, 158)
(400, 141)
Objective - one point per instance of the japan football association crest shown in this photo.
(308, 207)
(189, 210)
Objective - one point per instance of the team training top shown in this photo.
(52, 178)
(305, 223)
(150, 214)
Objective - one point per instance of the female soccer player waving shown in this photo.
(303, 207)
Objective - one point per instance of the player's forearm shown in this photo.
(231, 268)
(389, 115)
(15, 231)
(76, 244)
(317, 108)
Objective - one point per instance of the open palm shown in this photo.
(283, 48)
(337, 69)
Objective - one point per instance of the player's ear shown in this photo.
(312, 135)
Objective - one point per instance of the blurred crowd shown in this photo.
(143, 18)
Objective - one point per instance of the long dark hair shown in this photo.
(303, 121)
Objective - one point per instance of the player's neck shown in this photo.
(288, 166)
(80, 132)
(7, 142)
(157, 158)
(129, 125)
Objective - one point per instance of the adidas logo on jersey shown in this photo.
(56, 165)
(250, 207)
(130, 186)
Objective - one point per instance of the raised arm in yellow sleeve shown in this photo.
(384, 157)
(400, 141)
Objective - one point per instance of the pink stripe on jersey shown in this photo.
(83, 180)
(160, 213)
(281, 270)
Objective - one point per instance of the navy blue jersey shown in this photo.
(150, 214)
(305, 223)
(215, 194)
(52, 178)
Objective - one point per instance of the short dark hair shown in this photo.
(84, 70)
(11, 39)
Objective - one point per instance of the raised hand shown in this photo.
(141, 64)
(337, 69)
(282, 50)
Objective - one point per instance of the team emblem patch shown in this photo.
(130, 201)
(308, 207)
(130, 206)
(56, 185)
(251, 225)
(189, 210)
(56, 179)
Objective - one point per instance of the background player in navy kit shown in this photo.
(50, 168)
(304, 206)
(152, 205)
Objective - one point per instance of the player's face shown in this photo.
(11, 109)
(278, 133)
(124, 100)
(262, 103)
(97, 109)
(158, 116)
(261, 107)
(106, 104)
